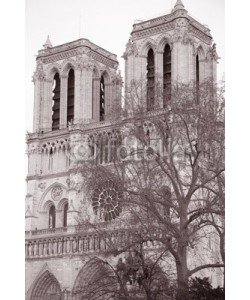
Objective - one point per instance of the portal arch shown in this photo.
(46, 287)
(94, 281)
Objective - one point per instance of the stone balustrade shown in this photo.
(62, 241)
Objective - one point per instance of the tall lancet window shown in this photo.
(65, 212)
(52, 217)
(71, 96)
(150, 80)
(197, 76)
(166, 75)
(102, 99)
(56, 103)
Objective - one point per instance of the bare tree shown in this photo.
(170, 173)
(136, 275)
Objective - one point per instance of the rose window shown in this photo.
(106, 201)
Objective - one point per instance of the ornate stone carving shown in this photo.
(181, 31)
(106, 201)
(200, 35)
(154, 30)
(75, 182)
(212, 53)
(56, 192)
(42, 186)
(131, 49)
(39, 74)
(84, 62)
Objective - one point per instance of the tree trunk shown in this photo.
(181, 263)
(182, 282)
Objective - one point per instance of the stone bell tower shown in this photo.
(168, 49)
(69, 76)
(76, 84)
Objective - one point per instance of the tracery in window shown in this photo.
(102, 99)
(71, 96)
(106, 201)
(65, 214)
(166, 75)
(150, 80)
(197, 68)
(56, 103)
(52, 217)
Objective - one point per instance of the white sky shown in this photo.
(107, 24)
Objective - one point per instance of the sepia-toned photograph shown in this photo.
(125, 141)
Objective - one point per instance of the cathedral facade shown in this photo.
(77, 86)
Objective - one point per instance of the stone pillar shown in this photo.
(214, 70)
(87, 91)
(203, 69)
(96, 98)
(108, 100)
(33, 158)
(117, 92)
(174, 62)
(30, 218)
(191, 63)
(59, 218)
(63, 101)
(159, 79)
(77, 99)
(38, 84)
(47, 105)
(180, 62)
(142, 78)
(141, 64)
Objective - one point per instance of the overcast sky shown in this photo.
(107, 24)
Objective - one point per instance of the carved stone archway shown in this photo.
(94, 281)
(46, 287)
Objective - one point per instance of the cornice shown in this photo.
(77, 48)
(200, 35)
(48, 176)
(139, 34)
(38, 136)
(166, 23)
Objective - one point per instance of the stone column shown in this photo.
(203, 68)
(174, 63)
(63, 101)
(192, 63)
(108, 99)
(96, 98)
(214, 70)
(47, 105)
(141, 77)
(59, 218)
(117, 91)
(87, 91)
(159, 79)
(77, 98)
(38, 84)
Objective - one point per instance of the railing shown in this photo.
(47, 231)
(78, 243)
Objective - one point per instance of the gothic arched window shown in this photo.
(52, 217)
(56, 103)
(150, 80)
(197, 76)
(102, 99)
(71, 96)
(166, 75)
(65, 212)
(197, 69)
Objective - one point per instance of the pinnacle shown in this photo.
(178, 5)
(47, 43)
